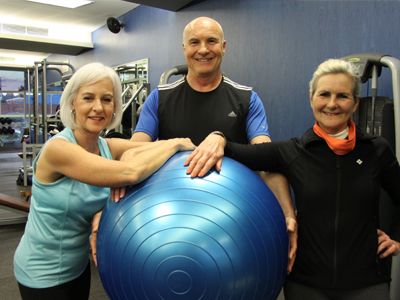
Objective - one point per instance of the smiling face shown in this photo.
(94, 106)
(333, 102)
(203, 47)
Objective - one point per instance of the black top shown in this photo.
(337, 198)
(223, 109)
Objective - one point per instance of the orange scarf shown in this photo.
(339, 146)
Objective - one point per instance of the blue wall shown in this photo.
(273, 46)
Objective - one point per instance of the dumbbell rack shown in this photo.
(4, 130)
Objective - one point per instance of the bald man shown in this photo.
(205, 101)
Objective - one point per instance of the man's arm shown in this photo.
(141, 137)
(203, 158)
(147, 127)
(279, 186)
(208, 154)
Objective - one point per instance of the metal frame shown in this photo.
(38, 122)
(394, 65)
(137, 98)
(35, 150)
(178, 70)
(371, 64)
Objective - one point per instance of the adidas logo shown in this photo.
(232, 114)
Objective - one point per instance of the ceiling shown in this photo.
(68, 30)
(173, 5)
(61, 22)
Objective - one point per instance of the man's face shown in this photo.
(203, 48)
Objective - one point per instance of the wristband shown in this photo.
(219, 133)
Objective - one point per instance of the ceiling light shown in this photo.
(63, 3)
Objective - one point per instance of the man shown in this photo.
(204, 101)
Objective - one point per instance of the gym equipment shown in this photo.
(26, 171)
(39, 122)
(7, 130)
(135, 87)
(381, 116)
(178, 70)
(114, 134)
(15, 203)
(175, 237)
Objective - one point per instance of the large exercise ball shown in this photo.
(174, 237)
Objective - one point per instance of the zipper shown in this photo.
(339, 187)
(378, 266)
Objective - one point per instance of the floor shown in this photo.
(10, 234)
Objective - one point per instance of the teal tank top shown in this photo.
(55, 246)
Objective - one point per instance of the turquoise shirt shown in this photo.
(55, 246)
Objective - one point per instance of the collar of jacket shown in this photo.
(310, 136)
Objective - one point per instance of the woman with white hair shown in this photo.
(336, 171)
(72, 177)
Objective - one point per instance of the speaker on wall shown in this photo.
(114, 25)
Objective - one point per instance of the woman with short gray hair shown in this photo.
(72, 177)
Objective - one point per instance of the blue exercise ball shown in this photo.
(175, 237)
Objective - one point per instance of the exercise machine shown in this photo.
(381, 116)
(40, 120)
(135, 88)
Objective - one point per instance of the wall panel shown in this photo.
(273, 46)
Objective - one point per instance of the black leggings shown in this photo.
(296, 291)
(77, 289)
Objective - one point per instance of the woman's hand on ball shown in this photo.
(93, 238)
(117, 193)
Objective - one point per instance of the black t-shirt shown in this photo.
(185, 112)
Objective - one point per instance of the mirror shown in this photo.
(135, 88)
(132, 76)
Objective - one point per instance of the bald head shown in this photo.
(205, 23)
(204, 47)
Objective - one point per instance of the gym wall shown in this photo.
(273, 46)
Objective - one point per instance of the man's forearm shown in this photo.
(279, 186)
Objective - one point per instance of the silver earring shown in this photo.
(73, 112)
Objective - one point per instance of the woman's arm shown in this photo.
(61, 158)
(388, 243)
(271, 156)
(258, 157)
(119, 146)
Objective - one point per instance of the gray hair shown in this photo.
(88, 75)
(337, 66)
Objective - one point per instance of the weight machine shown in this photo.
(40, 121)
(135, 88)
(36, 121)
(381, 116)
